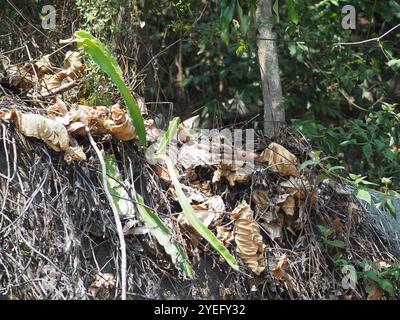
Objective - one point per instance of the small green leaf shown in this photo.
(325, 231)
(354, 176)
(167, 137)
(389, 155)
(347, 142)
(335, 168)
(363, 194)
(385, 284)
(335, 243)
(292, 11)
(386, 181)
(307, 163)
(394, 64)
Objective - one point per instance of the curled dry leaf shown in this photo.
(280, 159)
(141, 104)
(74, 154)
(119, 124)
(289, 206)
(103, 282)
(194, 154)
(100, 119)
(19, 77)
(262, 203)
(300, 188)
(249, 242)
(51, 131)
(153, 134)
(339, 227)
(193, 194)
(237, 171)
(74, 69)
(184, 134)
(225, 234)
(267, 211)
(279, 271)
(4, 62)
(53, 81)
(274, 227)
(59, 109)
(42, 66)
(73, 63)
(162, 172)
(204, 187)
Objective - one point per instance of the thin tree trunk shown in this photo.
(274, 113)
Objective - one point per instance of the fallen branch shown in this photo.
(60, 89)
(115, 212)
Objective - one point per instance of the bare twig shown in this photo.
(368, 40)
(60, 89)
(115, 212)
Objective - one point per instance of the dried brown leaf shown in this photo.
(225, 234)
(300, 188)
(274, 227)
(289, 206)
(100, 119)
(280, 159)
(162, 172)
(263, 207)
(376, 293)
(51, 131)
(53, 81)
(153, 134)
(73, 63)
(119, 124)
(74, 154)
(339, 227)
(279, 271)
(249, 242)
(183, 134)
(58, 109)
(103, 282)
(42, 66)
(238, 171)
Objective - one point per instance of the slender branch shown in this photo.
(368, 40)
(115, 212)
(60, 89)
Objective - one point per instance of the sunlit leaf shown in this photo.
(363, 194)
(105, 60)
